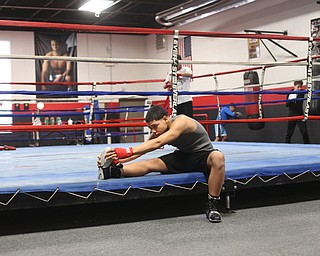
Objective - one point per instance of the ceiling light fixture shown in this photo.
(97, 6)
(195, 10)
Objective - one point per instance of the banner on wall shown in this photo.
(185, 50)
(56, 44)
(254, 48)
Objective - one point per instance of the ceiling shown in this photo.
(126, 13)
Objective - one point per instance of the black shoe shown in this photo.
(106, 168)
(104, 164)
(112, 171)
(212, 212)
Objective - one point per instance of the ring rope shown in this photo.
(31, 128)
(87, 83)
(260, 67)
(61, 113)
(107, 99)
(87, 99)
(144, 93)
(149, 81)
(148, 61)
(141, 31)
(125, 82)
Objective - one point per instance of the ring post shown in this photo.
(261, 90)
(174, 77)
(309, 79)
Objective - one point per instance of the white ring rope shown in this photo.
(314, 78)
(149, 61)
(83, 99)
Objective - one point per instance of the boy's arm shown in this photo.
(133, 157)
(186, 72)
(229, 112)
(177, 128)
(167, 81)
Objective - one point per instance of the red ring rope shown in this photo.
(141, 31)
(28, 128)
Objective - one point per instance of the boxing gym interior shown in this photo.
(80, 76)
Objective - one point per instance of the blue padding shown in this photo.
(152, 180)
(73, 168)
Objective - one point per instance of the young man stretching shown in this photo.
(194, 153)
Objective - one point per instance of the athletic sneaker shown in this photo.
(112, 171)
(107, 169)
(212, 212)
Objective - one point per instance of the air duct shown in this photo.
(195, 10)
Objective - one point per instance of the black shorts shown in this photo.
(185, 108)
(178, 162)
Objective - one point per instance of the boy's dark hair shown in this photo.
(155, 113)
(233, 105)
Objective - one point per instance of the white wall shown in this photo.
(115, 46)
(89, 45)
(22, 70)
(272, 15)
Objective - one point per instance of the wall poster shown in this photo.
(56, 44)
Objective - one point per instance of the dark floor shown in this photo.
(277, 221)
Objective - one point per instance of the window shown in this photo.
(5, 76)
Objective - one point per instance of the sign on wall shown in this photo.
(254, 48)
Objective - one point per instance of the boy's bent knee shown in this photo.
(216, 158)
(217, 155)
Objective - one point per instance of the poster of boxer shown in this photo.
(55, 71)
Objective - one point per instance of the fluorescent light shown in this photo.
(97, 6)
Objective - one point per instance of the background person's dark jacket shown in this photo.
(295, 106)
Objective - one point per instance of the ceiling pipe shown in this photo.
(175, 16)
(176, 11)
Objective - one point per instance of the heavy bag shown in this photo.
(252, 110)
(315, 103)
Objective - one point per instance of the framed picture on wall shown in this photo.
(54, 72)
(253, 48)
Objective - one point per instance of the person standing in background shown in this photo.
(184, 77)
(295, 105)
(226, 113)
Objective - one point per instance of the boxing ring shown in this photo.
(48, 176)
(41, 176)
